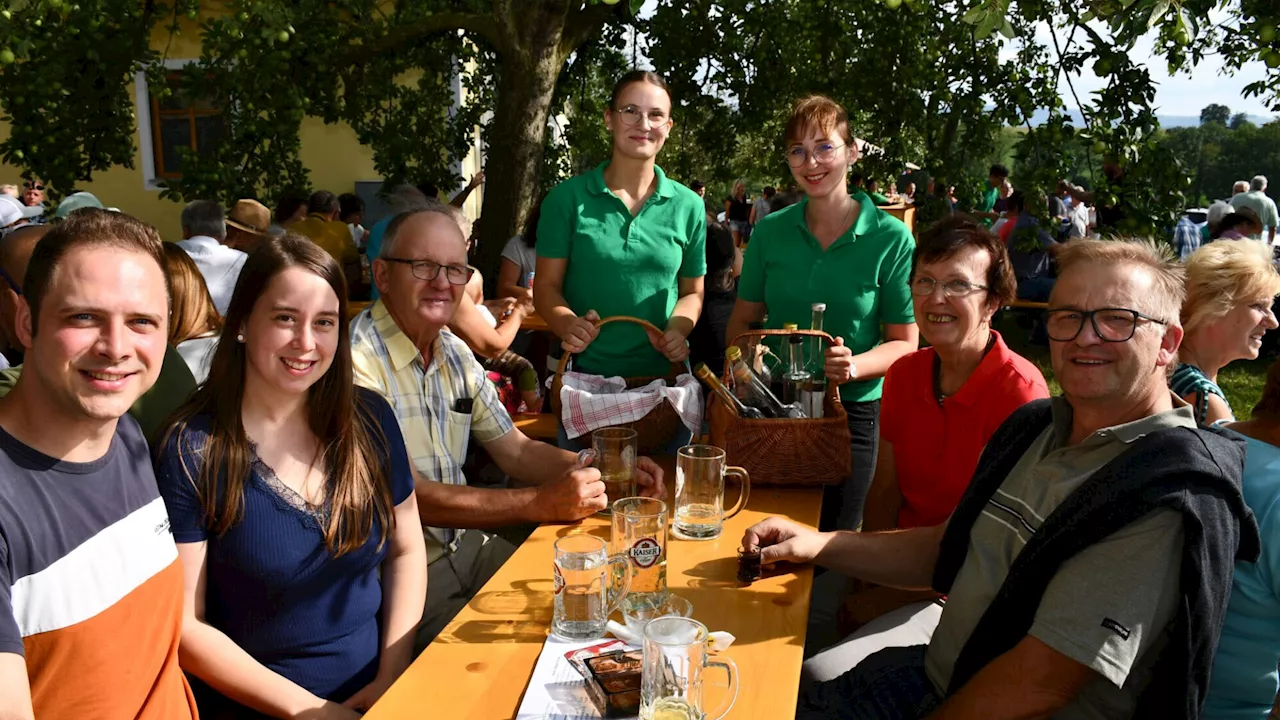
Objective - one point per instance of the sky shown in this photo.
(1181, 94)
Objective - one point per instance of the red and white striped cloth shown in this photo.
(591, 402)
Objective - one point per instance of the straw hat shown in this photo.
(250, 216)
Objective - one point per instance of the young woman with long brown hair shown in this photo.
(194, 322)
(292, 504)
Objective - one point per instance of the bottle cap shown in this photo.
(790, 326)
(733, 353)
(820, 307)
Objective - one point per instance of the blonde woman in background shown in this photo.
(194, 322)
(1230, 288)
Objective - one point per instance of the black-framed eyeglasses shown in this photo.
(631, 116)
(16, 287)
(924, 286)
(33, 186)
(824, 153)
(427, 270)
(1109, 324)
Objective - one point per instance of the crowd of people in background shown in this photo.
(224, 492)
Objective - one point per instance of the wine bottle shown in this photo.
(735, 406)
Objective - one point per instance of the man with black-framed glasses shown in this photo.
(1072, 588)
(402, 349)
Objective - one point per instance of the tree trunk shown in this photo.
(514, 160)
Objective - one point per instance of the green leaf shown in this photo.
(1157, 13)
(975, 15)
(1006, 29)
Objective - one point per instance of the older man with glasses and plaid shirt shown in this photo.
(1088, 564)
(402, 349)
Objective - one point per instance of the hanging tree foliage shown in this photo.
(923, 86)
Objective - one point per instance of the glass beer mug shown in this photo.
(700, 473)
(675, 658)
(640, 536)
(581, 581)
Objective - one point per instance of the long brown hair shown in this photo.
(192, 312)
(358, 491)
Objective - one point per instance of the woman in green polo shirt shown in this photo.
(840, 250)
(624, 239)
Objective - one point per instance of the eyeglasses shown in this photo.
(427, 270)
(631, 116)
(1109, 324)
(924, 286)
(33, 186)
(16, 287)
(824, 153)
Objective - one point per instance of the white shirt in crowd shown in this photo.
(1079, 221)
(219, 264)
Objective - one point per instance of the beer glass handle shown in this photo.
(745, 479)
(730, 669)
(626, 583)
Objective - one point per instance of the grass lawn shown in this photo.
(1242, 381)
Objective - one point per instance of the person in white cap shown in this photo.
(13, 214)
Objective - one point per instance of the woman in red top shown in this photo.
(940, 406)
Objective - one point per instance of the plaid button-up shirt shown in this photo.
(385, 360)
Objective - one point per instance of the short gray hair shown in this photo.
(1259, 183)
(392, 235)
(205, 217)
(405, 198)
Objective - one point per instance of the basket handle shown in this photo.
(832, 388)
(564, 359)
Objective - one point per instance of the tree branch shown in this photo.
(399, 37)
(582, 25)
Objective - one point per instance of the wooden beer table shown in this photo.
(533, 321)
(478, 668)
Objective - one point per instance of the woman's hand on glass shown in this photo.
(580, 332)
(839, 366)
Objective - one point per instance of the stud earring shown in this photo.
(240, 338)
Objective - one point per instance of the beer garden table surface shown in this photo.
(479, 667)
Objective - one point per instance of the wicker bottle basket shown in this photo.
(806, 451)
(653, 431)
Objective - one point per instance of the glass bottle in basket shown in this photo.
(757, 393)
(814, 389)
(793, 382)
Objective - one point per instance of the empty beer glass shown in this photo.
(640, 535)
(615, 458)
(700, 473)
(582, 583)
(675, 658)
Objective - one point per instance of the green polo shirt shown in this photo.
(623, 265)
(864, 278)
(989, 197)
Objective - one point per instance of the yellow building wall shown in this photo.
(332, 154)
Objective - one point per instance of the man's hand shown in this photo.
(839, 366)
(782, 540)
(581, 332)
(502, 308)
(673, 345)
(577, 494)
(649, 479)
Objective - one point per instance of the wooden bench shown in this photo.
(539, 426)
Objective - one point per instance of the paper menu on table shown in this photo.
(557, 691)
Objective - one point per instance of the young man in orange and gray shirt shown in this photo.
(90, 586)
